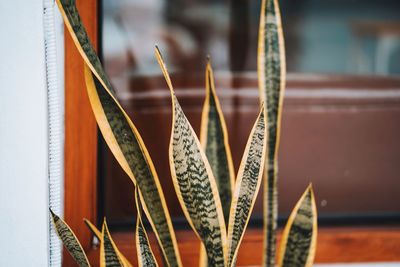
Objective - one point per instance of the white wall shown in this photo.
(23, 135)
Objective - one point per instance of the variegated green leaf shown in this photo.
(80, 37)
(194, 182)
(271, 76)
(299, 238)
(214, 139)
(97, 233)
(69, 240)
(108, 251)
(247, 185)
(93, 229)
(145, 254)
(122, 136)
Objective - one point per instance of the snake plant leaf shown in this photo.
(122, 136)
(299, 237)
(108, 251)
(214, 139)
(69, 240)
(145, 254)
(271, 76)
(118, 128)
(80, 37)
(194, 182)
(203, 261)
(215, 142)
(247, 185)
(93, 229)
(97, 233)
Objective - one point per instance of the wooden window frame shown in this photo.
(335, 244)
(80, 136)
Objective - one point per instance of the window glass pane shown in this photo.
(330, 36)
(341, 117)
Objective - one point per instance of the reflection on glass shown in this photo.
(331, 36)
(351, 122)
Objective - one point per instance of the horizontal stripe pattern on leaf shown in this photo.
(70, 241)
(299, 238)
(79, 35)
(194, 182)
(121, 135)
(145, 255)
(144, 252)
(108, 252)
(247, 185)
(126, 143)
(271, 77)
(214, 139)
(97, 233)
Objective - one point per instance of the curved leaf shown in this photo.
(144, 252)
(203, 260)
(81, 39)
(247, 185)
(299, 238)
(97, 233)
(271, 76)
(194, 182)
(70, 241)
(122, 136)
(93, 229)
(108, 251)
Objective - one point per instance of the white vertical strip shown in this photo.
(55, 131)
(59, 25)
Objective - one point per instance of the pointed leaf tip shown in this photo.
(299, 237)
(247, 185)
(164, 70)
(271, 78)
(196, 186)
(144, 252)
(109, 254)
(69, 240)
(121, 135)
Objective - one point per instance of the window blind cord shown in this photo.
(55, 145)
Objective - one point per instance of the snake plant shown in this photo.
(216, 204)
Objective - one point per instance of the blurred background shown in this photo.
(341, 118)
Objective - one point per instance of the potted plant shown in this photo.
(217, 206)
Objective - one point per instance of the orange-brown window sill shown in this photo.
(335, 244)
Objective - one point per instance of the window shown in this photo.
(342, 111)
(340, 123)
